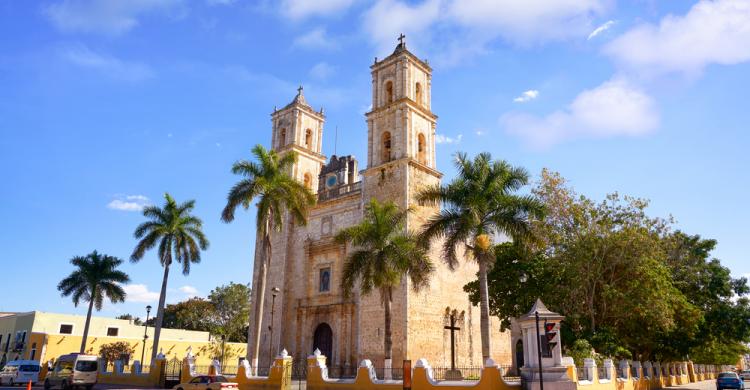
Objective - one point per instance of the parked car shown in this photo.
(745, 375)
(207, 382)
(73, 371)
(20, 372)
(729, 380)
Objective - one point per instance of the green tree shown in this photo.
(383, 253)
(191, 314)
(278, 194)
(180, 237)
(722, 329)
(479, 204)
(96, 277)
(518, 277)
(231, 304)
(115, 351)
(130, 317)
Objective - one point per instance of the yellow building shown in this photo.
(44, 336)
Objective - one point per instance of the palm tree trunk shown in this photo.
(260, 295)
(160, 313)
(484, 310)
(387, 341)
(88, 321)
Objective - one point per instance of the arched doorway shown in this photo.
(323, 341)
(519, 356)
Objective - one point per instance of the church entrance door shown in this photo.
(323, 341)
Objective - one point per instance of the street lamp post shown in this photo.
(145, 333)
(274, 291)
(223, 365)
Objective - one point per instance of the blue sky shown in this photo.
(105, 105)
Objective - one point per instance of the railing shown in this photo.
(461, 373)
(582, 373)
(633, 372)
(339, 191)
(602, 372)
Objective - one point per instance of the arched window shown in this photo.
(282, 138)
(307, 180)
(388, 92)
(386, 146)
(418, 93)
(421, 146)
(308, 139)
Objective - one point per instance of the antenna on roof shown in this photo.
(336, 140)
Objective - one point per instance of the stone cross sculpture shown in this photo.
(453, 374)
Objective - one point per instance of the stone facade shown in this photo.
(310, 311)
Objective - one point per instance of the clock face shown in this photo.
(331, 181)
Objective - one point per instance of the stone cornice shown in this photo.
(411, 103)
(302, 151)
(395, 55)
(401, 161)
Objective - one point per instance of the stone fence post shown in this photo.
(624, 369)
(589, 368)
(609, 368)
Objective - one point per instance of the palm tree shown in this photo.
(96, 277)
(180, 238)
(269, 181)
(384, 253)
(479, 204)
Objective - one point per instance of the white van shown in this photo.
(20, 372)
(73, 371)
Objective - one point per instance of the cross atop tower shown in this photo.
(401, 39)
(299, 90)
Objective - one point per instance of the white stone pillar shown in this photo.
(624, 369)
(589, 368)
(609, 368)
(637, 369)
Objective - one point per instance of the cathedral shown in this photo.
(304, 308)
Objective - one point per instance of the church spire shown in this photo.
(300, 98)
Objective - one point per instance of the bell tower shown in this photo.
(400, 163)
(400, 129)
(299, 127)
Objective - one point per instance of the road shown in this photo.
(705, 385)
(97, 387)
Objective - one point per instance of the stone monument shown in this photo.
(552, 371)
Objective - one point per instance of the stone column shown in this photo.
(609, 368)
(637, 369)
(624, 369)
(589, 368)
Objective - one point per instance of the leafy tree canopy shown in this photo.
(225, 312)
(628, 284)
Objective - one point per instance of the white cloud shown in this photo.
(129, 203)
(101, 16)
(322, 70)
(81, 55)
(386, 19)
(301, 9)
(466, 27)
(604, 27)
(189, 291)
(442, 139)
(140, 293)
(315, 39)
(712, 32)
(527, 96)
(614, 108)
(528, 21)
